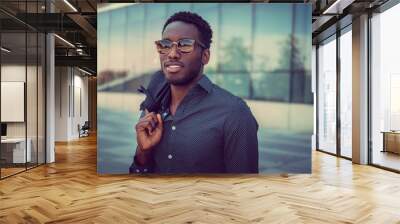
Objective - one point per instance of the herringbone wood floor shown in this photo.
(70, 191)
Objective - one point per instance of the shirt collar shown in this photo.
(205, 83)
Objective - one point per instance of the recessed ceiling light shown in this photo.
(5, 50)
(337, 7)
(64, 40)
(71, 6)
(84, 71)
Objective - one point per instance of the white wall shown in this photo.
(80, 100)
(13, 73)
(71, 93)
(62, 81)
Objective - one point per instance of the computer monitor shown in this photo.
(3, 129)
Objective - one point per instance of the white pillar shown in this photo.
(50, 99)
(314, 91)
(360, 90)
(50, 93)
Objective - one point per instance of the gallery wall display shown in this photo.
(248, 109)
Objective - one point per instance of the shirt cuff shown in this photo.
(140, 169)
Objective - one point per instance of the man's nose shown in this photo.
(174, 52)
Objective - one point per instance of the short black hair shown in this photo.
(202, 26)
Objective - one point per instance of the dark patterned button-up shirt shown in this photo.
(212, 131)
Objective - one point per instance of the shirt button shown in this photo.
(173, 128)
(169, 156)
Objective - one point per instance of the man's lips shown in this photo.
(173, 67)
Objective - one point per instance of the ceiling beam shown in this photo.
(82, 61)
(84, 24)
(337, 7)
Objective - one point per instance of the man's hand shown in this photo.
(149, 131)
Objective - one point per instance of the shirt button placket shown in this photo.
(173, 128)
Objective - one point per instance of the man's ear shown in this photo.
(205, 57)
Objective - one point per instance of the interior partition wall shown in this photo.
(22, 76)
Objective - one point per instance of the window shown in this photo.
(346, 93)
(327, 96)
(385, 88)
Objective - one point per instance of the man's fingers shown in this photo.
(152, 114)
(144, 125)
(149, 118)
(149, 128)
(150, 122)
(160, 122)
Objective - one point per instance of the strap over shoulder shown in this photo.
(157, 93)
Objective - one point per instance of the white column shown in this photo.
(50, 92)
(360, 90)
(314, 91)
(50, 100)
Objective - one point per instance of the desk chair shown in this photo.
(84, 130)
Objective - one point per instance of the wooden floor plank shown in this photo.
(70, 191)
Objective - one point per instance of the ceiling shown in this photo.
(330, 15)
(74, 22)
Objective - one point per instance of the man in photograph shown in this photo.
(192, 125)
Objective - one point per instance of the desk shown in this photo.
(391, 141)
(17, 149)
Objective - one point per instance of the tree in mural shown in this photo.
(235, 56)
(293, 60)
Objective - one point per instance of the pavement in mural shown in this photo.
(279, 151)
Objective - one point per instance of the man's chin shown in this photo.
(178, 79)
(174, 79)
(177, 82)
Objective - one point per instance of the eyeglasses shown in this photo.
(185, 45)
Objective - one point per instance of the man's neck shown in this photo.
(178, 93)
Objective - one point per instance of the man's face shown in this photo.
(182, 68)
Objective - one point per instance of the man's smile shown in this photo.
(173, 67)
